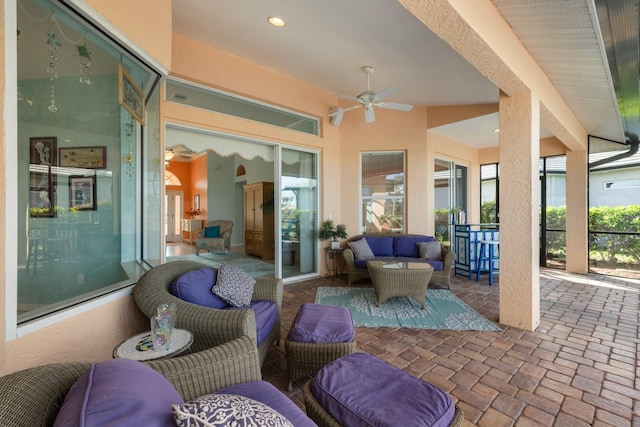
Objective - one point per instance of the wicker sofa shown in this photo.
(210, 327)
(33, 397)
(441, 276)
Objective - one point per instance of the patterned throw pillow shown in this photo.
(234, 285)
(227, 410)
(361, 249)
(430, 250)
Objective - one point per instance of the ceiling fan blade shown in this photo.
(394, 106)
(350, 98)
(384, 93)
(369, 115)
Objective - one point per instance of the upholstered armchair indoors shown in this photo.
(210, 326)
(215, 237)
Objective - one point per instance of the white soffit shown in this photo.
(564, 38)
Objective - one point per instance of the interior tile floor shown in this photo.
(579, 368)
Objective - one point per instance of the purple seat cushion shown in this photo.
(119, 392)
(195, 287)
(361, 390)
(266, 393)
(380, 245)
(266, 313)
(318, 323)
(407, 245)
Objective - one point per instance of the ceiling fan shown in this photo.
(178, 152)
(368, 99)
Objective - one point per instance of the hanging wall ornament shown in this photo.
(85, 62)
(129, 158)
(52, 61)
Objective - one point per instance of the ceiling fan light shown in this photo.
(168, 155)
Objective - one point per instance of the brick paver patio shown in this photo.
(579, 368)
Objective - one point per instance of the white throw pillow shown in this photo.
(227, 410)
(430, 250)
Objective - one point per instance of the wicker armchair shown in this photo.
(217, 244)
(33, 397)
(442, 277)
(210, 327)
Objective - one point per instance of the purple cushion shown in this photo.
(407, 245)
(119, 392)
(380, 245)
(437, 265)
(266, 393)
(319, 323)
(195, 286)
(266, 313)
(361, 390)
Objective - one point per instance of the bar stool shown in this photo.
(487, 254)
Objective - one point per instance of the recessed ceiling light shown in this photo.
(276, 22)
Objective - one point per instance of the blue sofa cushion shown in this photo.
(222, 410)
(195, 287)
(266, 313)
(318, 323)
(380, 245)
(407, 245)
(266, 393)
(119, 392)
(362, 390)
(362, 263)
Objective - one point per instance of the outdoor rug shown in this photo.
(444, 310)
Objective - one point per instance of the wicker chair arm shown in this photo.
(203, 372)
(348, 258)
(448, 259)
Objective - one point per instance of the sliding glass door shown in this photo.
(450, 200)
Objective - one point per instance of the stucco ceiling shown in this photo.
(326, 43)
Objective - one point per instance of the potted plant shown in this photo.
(330, 231)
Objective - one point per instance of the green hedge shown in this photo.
(602, 221)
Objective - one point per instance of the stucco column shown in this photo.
(519, 204)
(577, 212)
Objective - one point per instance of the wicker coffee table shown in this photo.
(394, 279)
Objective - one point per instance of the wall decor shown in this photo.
(41, 192)
(82, 193)
(196, 202)
(130, 96)
(43, 150)
(83, 157)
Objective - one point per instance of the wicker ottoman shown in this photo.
(319, 335)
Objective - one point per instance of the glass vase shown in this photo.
(162, 325)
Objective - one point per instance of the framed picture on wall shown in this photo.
(83, 157)
(41, 191)
(196, 202)
(43, 150)
(130, 96)
(82, 193)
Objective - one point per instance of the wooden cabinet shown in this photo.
(258, 219)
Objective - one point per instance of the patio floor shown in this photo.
(579, 368)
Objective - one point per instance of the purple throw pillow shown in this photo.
(195, 287)
(119, 392)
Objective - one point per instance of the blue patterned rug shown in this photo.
(444, 310)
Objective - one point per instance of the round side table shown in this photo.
(139, 347)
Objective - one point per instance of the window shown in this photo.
(85, 107)
(382, 192)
